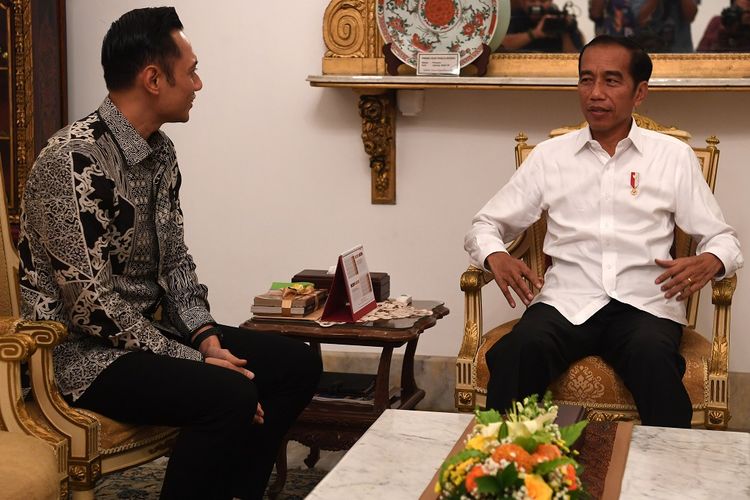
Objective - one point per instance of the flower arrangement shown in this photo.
(525, 455)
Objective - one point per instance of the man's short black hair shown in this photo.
(640, 62)
(139, 38)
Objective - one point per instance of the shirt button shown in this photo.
(609, 266)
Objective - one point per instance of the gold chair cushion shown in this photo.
(592, 383)
(28, 468)
(114, 436)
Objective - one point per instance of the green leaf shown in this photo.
(528, 443)
(571, 433)
(508, 478)
(488, 417)
(547, 467)
(503, 431)
(488, 484)
(460, 457)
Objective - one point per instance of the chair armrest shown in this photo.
(81, 429)
(472, 281)
(717, 389)
(16, 349)
(721, 297)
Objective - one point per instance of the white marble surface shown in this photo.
(395, 459)
(398, 456)
(687, 464)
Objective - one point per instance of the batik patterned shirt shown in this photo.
(102, 247)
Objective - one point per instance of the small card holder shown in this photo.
(351, 295)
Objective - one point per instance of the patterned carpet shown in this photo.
(144, 483)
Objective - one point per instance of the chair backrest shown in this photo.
(532, 240)
(9, 283)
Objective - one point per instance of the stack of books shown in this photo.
(272, 303)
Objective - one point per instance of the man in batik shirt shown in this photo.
(102, 251)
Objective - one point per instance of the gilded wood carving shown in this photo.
(378, 114)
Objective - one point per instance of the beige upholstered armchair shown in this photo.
(87, 445)
(590, 382)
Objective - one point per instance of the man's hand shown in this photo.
(259, 414)
(222, 357)
(538, 31)
(509, 273)
(214, 354)
(687, 275)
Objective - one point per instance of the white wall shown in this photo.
(276, 178)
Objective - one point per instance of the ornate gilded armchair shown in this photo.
(590, 382)
(87, 445)
(15, 349)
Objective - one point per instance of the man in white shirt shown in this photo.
(613, 193)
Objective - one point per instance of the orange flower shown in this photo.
(545, 453)
(570, 477)
(514, 453)
(537, 488)
(471, 477)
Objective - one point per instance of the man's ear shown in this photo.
(150, 78)
(641, 91)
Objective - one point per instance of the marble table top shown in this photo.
(686, 464)
(398, 456)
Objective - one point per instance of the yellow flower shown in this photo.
(478, 442)
(537, 488)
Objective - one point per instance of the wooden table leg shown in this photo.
(382, 381)
(408, 383)
(313, 456)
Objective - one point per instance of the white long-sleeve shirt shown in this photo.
(602, 233)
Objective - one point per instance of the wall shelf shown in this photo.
(380, 82)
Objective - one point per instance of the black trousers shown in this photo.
(642, 349)
(219, 453)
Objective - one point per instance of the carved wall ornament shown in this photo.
(345, 28)
(378, 113)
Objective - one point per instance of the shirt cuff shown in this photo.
(730, 266)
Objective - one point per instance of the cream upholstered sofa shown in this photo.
(590, 382)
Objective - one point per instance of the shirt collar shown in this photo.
(635, 137)
(134, 147)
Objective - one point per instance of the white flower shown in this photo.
(528, 427)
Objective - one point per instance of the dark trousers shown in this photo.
(219, 452)
(641, 348)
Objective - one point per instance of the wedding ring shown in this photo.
(689, 280)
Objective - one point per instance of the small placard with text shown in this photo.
(438, 64)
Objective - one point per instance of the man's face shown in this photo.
(606, 90)
(176, 99)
